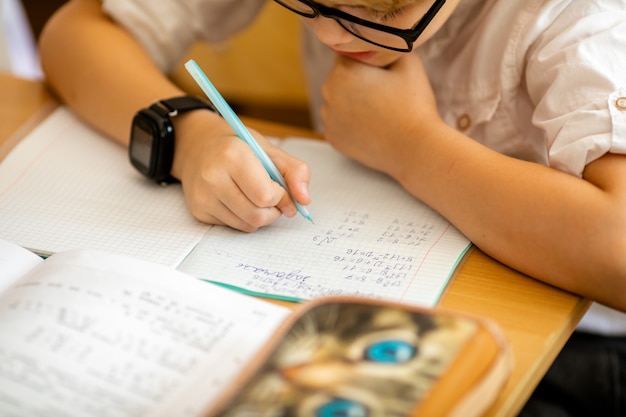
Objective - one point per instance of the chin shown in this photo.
(384, 60)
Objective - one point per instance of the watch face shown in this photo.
(151, 147)
(141, 144)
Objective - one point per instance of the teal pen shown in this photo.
(229, 115)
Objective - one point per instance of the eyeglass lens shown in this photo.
(375, 36)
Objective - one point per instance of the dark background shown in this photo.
(38, 12)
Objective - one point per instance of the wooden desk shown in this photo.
(537, 319)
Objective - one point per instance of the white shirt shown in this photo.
(539, 80)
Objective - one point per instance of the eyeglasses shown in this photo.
(388, 37)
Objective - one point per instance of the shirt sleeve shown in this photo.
(168, 28)
(576, 78)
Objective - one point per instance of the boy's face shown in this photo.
(401, 14)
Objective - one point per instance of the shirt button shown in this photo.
(464, 121)
(620, 103)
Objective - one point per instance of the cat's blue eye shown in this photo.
(390, 351)
(341, 407)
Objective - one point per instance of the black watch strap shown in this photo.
(171, 107)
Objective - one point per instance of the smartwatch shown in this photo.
(151, 148)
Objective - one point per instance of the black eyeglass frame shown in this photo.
(408, 35)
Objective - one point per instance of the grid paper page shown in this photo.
(64, 187)
(370, 238)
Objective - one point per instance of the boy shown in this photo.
(508, 118)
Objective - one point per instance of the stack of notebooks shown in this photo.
(87, 333)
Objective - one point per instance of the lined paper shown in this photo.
(370, 238)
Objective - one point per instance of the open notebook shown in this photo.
(66, 187)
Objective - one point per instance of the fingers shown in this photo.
(233, 188)
(235, 191)
(236, 211)
(233, 209)
(297, 176)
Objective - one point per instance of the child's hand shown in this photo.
(374, 114)
(225, 183)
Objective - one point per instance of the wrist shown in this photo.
(194, 132)
(423, 157)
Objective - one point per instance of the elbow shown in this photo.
(613, 268)
(620, 272)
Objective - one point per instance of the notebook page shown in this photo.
(90, 332)
(64, 186)
(370, 238)
(15, 262)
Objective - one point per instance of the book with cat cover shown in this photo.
(357, 357)
(87, 333)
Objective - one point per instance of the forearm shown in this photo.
(98, 69)
(561, 229)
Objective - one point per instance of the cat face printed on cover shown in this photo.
(351, 360)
